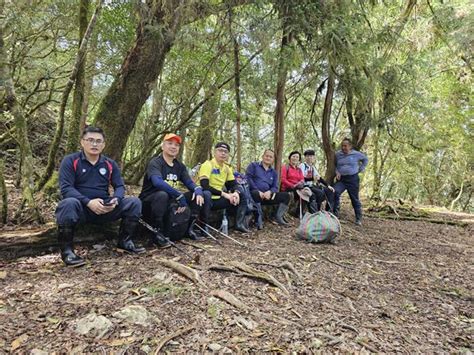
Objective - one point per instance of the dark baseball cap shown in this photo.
(222, 145)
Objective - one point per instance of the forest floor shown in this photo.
(389, 286)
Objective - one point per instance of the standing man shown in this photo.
(84, 179)
(319, 187)
(214, 175)
(349, 163)
(263, 182)
(160, 187)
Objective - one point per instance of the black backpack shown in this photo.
(176, 224)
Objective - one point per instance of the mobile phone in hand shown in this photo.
(108, 203)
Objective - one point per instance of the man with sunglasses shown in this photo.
(84, 180)
(214, 175)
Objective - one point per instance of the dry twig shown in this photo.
(167, 338)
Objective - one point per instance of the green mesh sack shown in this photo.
(319, 227)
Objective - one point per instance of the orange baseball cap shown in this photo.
(172, 136)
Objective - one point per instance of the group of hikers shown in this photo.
(86, 176)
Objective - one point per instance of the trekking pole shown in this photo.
(301, 208)
(173, 244)
(327, 201)
(208, 234)
(224, 235)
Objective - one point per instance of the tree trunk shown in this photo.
(26, 155)
(159, 24)
(65, 95)
(3, 188)
(279, 120)
(78, 98)
(132, 86)
(89, 79)
(326, 128)
(238, 104)
(203, 146)
(377, 170)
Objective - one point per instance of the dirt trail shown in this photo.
(391, 286)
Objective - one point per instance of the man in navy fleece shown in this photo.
(160, 186)
(84, 179)
(349, 163)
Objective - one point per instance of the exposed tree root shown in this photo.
(420, 219)
(260, 275)
(183, 270)
(284, 265)
(242, 269)
(230, 299)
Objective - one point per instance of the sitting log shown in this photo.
(32, 242)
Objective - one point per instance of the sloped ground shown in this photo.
(391, 286)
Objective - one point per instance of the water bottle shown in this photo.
(225, 224)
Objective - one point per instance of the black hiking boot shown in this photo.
(240, 219)
(192, 234)
(65, 239)
(126, 231)
(159, 240)
(280, 213)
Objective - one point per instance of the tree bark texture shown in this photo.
(73, 132)
(238, 104)
(203, 146)
(326, 128)
(155, 35)
(279, 120)
(12, 105)
(3, 189)
(53, 150)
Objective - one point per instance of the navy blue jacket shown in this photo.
(79, 179)
(261, 179)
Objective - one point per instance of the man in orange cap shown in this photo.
(160, 188)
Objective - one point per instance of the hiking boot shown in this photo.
(358, 222)
(65, 239)
(126, 231)
(192, 234)
(280, 213)
(159, 240)
(240, 219)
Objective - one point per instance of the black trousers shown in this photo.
(280, 197)
(322, 193)
(156, 205)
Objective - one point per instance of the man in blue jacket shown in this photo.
(84, 180)
(263, 182)
(349, 163)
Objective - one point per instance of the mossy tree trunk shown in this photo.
(159, 24)
(53, 150)
(203, 146)
(238, 104)
(3, 189)
(13, 106)
(326, 125)
(73, 131)
(279, 119)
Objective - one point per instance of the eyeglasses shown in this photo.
(93, 141)
(222, 150)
